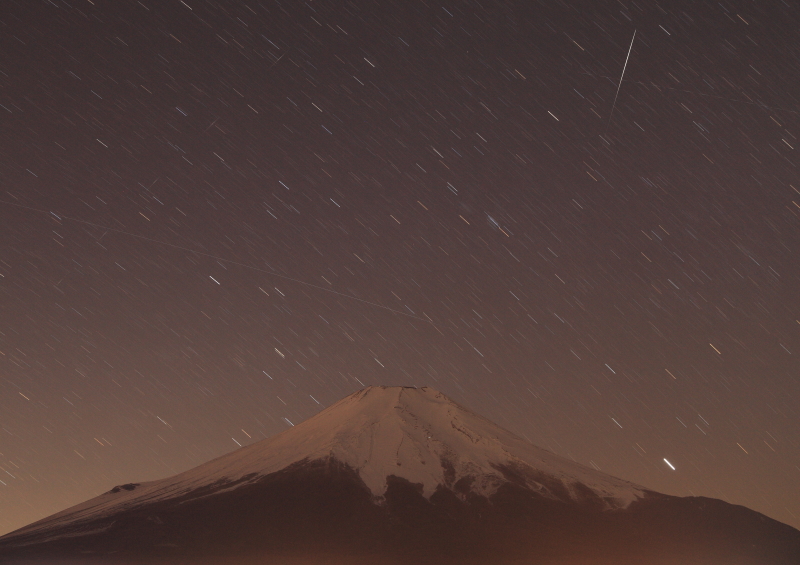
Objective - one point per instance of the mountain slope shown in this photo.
(398, 475)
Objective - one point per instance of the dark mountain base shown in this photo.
(321, 513)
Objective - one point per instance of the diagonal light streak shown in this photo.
(620, 80)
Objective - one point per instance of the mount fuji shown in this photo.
(391, 476)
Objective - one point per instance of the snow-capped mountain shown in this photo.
(397, 475)
(417, 434)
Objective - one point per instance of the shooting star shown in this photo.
(620, 80)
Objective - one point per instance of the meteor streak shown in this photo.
(620, 80)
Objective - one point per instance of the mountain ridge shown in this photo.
(380, 431)
(398, 471)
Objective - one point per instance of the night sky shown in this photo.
(219, 217)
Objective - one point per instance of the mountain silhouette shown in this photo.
(398, 475)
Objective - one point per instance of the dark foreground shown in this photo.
(321, 513)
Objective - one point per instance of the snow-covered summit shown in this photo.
(330, 491)
(418, 434)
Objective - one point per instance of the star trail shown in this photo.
(219, 217)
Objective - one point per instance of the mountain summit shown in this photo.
(398, 475)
